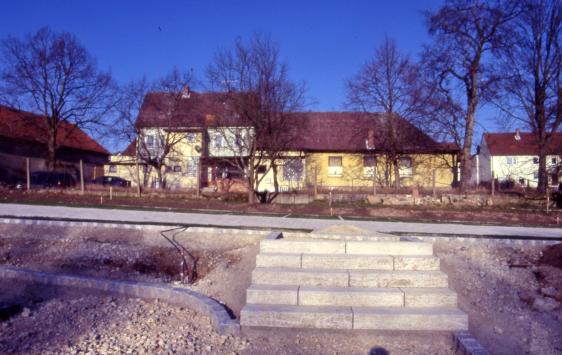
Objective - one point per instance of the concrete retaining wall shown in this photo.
(221, 320)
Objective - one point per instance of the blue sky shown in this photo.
(324, 42)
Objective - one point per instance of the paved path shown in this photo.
(241, 221)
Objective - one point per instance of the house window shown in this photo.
(113, 168)
(191, 168)
(218, 141)
(511, 160)
(262, 169)
(535, 175)
(177, 169)
(369, 165)
(335, 166)
(292, 170)
(191, 137)
(149, 141)
(535, 160)
(405, 167)
(554, 161)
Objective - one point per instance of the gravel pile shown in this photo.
(107, 325)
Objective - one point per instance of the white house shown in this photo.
(514, 156)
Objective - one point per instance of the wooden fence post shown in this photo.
(81, 177)
(198, 179)
(28, 173)
(433, 181)
(315, 182)
(138, 178)
(493, 184)
(110, 192)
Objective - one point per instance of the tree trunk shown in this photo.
(472, 102)
(396, 169)
(543, 174)
(52, 149)
(274, 194)
(251, 182)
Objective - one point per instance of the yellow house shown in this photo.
(338, 150)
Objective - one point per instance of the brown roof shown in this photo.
(28, 126)
(349, 132)
(315, 131)
(131, 149)
(506, 144)
(166, 110)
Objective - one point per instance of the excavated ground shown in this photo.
(512, 295)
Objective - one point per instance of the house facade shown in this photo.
(331, 150)
(513, 156)
(23, 136)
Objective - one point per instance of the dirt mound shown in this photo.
(342, 229)
(552, 255)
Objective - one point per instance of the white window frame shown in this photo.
(112, 168)
(406, 167)
(191, 167)
(335, 169)
(511, 160)
(191, 137)
(369, 171)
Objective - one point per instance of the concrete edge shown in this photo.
(220, 319)
(434, 237)
(466, 344)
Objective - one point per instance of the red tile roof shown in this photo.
(315, 131)
(506, 144)
(28, 126)
(131, 149)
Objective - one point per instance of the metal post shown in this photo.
(493, 184)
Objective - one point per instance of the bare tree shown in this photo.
(260, 124)
(388, 83)
(464, 33)
(531, 91)
(53, 74)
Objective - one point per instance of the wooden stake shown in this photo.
(28, 173)
(81, 177)
(110, 192)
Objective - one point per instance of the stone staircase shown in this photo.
(350, 284)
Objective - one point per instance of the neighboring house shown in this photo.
(342, 150)
(513, 156)
(23, 135)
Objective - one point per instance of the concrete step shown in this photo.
(347, 262)
(432, 319)
(379, 318)
(259, 315)
(429, 297)
(381, 279)
(350, 296)
(389, 248)
(302, 246)
(272, 294)
(278, 260)
(416, 262)
(304, 277)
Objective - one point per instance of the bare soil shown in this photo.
(521, 212)
(511, 294)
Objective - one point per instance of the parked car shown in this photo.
(111, 181)
(49, 179)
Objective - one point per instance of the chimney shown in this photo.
(517, 134)
(370, 142)
(185, 93)
(210, 120)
